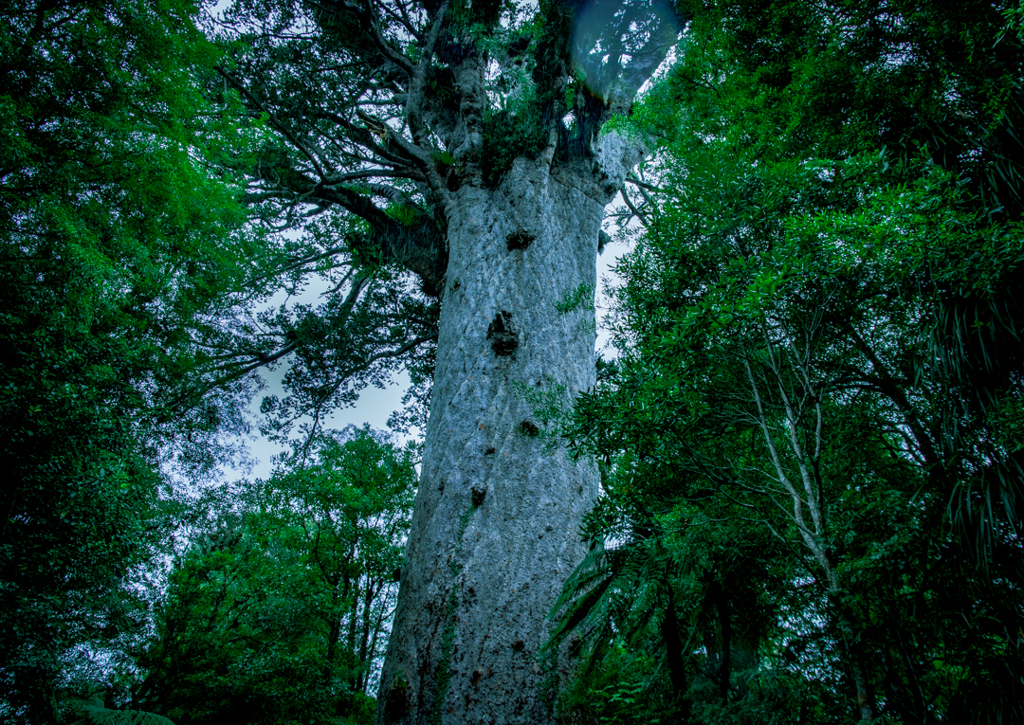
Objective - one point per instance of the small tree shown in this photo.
(278, 610)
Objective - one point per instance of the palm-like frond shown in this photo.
(584, 592)
(92, 712)
(614, 595)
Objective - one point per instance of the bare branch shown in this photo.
(636, 212)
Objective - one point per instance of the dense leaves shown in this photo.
(277, 610)
(117, 245)
(811, 443)
(819, 347)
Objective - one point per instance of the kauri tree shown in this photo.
(459, 141)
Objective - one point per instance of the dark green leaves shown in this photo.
(277, 608)
(116, 246)
(818, 324)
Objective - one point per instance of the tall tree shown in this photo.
(461, 141)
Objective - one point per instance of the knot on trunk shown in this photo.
(518, 240)
(529, 429)
(478, 493)
(503, 337)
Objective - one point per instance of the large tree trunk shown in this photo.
(496, 524)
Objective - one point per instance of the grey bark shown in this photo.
(408, 120)
(496, 524)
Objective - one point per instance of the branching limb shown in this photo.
(416, 99)
(634, 210)
(797, 514)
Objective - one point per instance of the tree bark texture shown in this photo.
(496, 525)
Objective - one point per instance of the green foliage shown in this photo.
(276, 612)
(405, 215)
(619, 694)
(647, 613)
(117, 244)
(508, 135)
(346, 341)
(817, 323)
(94, 713)
(581, 298)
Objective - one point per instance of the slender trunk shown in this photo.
(370, 592)
(353, 618)
(865, 700)
(725, 624)
(674, 649)
(334, 632)
(332, 641)
(496, 524)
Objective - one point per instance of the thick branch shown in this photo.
(415, 100)
(418, 247)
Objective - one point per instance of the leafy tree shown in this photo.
(277, 610)
(815, 252)
(676, 580)
(120, 248)
(459, 143)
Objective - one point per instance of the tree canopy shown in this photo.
(277, 609)
(373, 116)
(118, 247)
(812, 323)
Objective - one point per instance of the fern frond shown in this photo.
(579, 610)
(94, 713)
